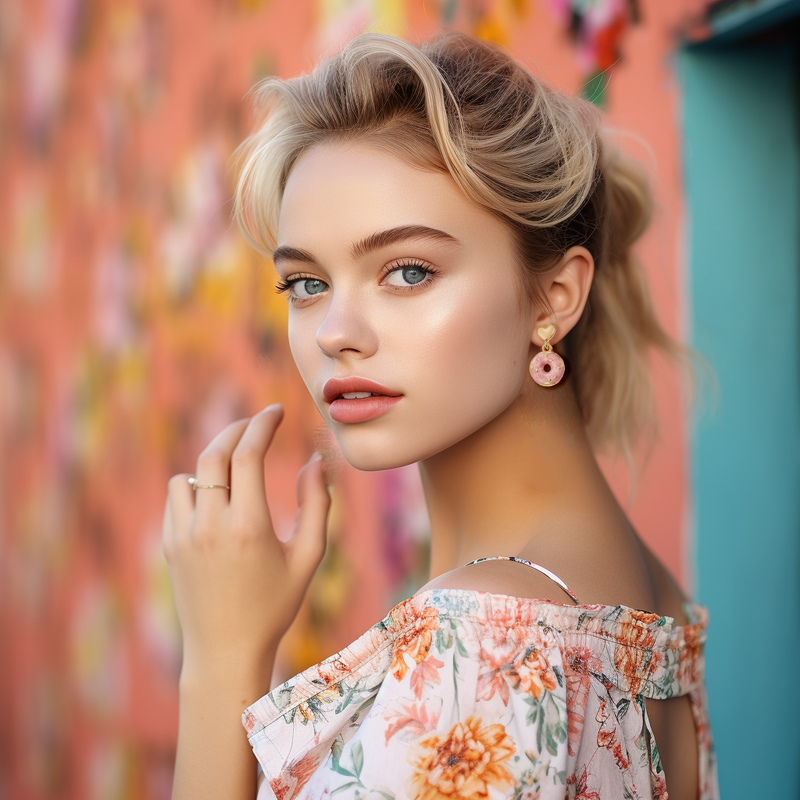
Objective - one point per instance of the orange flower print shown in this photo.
(527, 669)
(418, 629)
(296, 777)
(636, 665)
(659, 788)
(312, 710)
(689, 666)
(607, 736)
(465, 763)
(534, 673)
(634, 647)
(410, 718)
(630, 662)
(634, 628)
(425, 672)
(581, 790)
(579, 664)
(333, 670)
(491, 681)
(509, 629)
(493, 662)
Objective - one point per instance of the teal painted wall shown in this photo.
(742, 174)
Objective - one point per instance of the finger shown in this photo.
(307, 545)
(213, 467)
(180, 496)
(178, 510)
(167, 532)
(247, 461)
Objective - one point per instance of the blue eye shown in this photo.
(407, 276)
(301, 288)
(311, 286)
(413, 275)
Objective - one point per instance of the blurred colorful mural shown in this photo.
(135, 324)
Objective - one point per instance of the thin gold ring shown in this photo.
(195, 485)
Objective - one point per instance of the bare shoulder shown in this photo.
(501, 577)
(628, 574)
(668, 594)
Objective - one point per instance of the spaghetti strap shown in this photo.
(541, 569)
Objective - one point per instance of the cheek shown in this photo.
(481, 359)
(303, 347)
(471, 351)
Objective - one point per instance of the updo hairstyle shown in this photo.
(516, 146)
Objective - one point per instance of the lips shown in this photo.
(366, 399)
(336, 387)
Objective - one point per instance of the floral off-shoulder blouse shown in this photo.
(463, 694)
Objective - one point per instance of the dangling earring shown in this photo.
(547, 367)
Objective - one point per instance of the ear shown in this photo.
(566, 287)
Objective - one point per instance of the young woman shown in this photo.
(440, 220)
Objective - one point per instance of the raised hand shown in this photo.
(237, 587)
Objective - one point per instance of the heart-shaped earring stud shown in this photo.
(547, 331)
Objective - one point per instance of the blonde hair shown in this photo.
(516, 146)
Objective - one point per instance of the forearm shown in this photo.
(214, 758)
(222, 550)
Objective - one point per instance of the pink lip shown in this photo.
(337, 386)
(362, 409)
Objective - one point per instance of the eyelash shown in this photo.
(285, 285)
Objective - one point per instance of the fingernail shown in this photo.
(273, 407)
(315, 457)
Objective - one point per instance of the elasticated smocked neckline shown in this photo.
(668, 656)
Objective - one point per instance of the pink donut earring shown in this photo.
(547, 367)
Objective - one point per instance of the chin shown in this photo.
(372, 456)
(370, 451)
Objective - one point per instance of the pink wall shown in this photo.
(135, 325)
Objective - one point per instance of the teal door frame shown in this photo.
(742, 182)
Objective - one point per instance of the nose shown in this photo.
(346, 328)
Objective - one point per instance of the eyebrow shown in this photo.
(373, 242)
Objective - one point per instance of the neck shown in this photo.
(513, 482)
